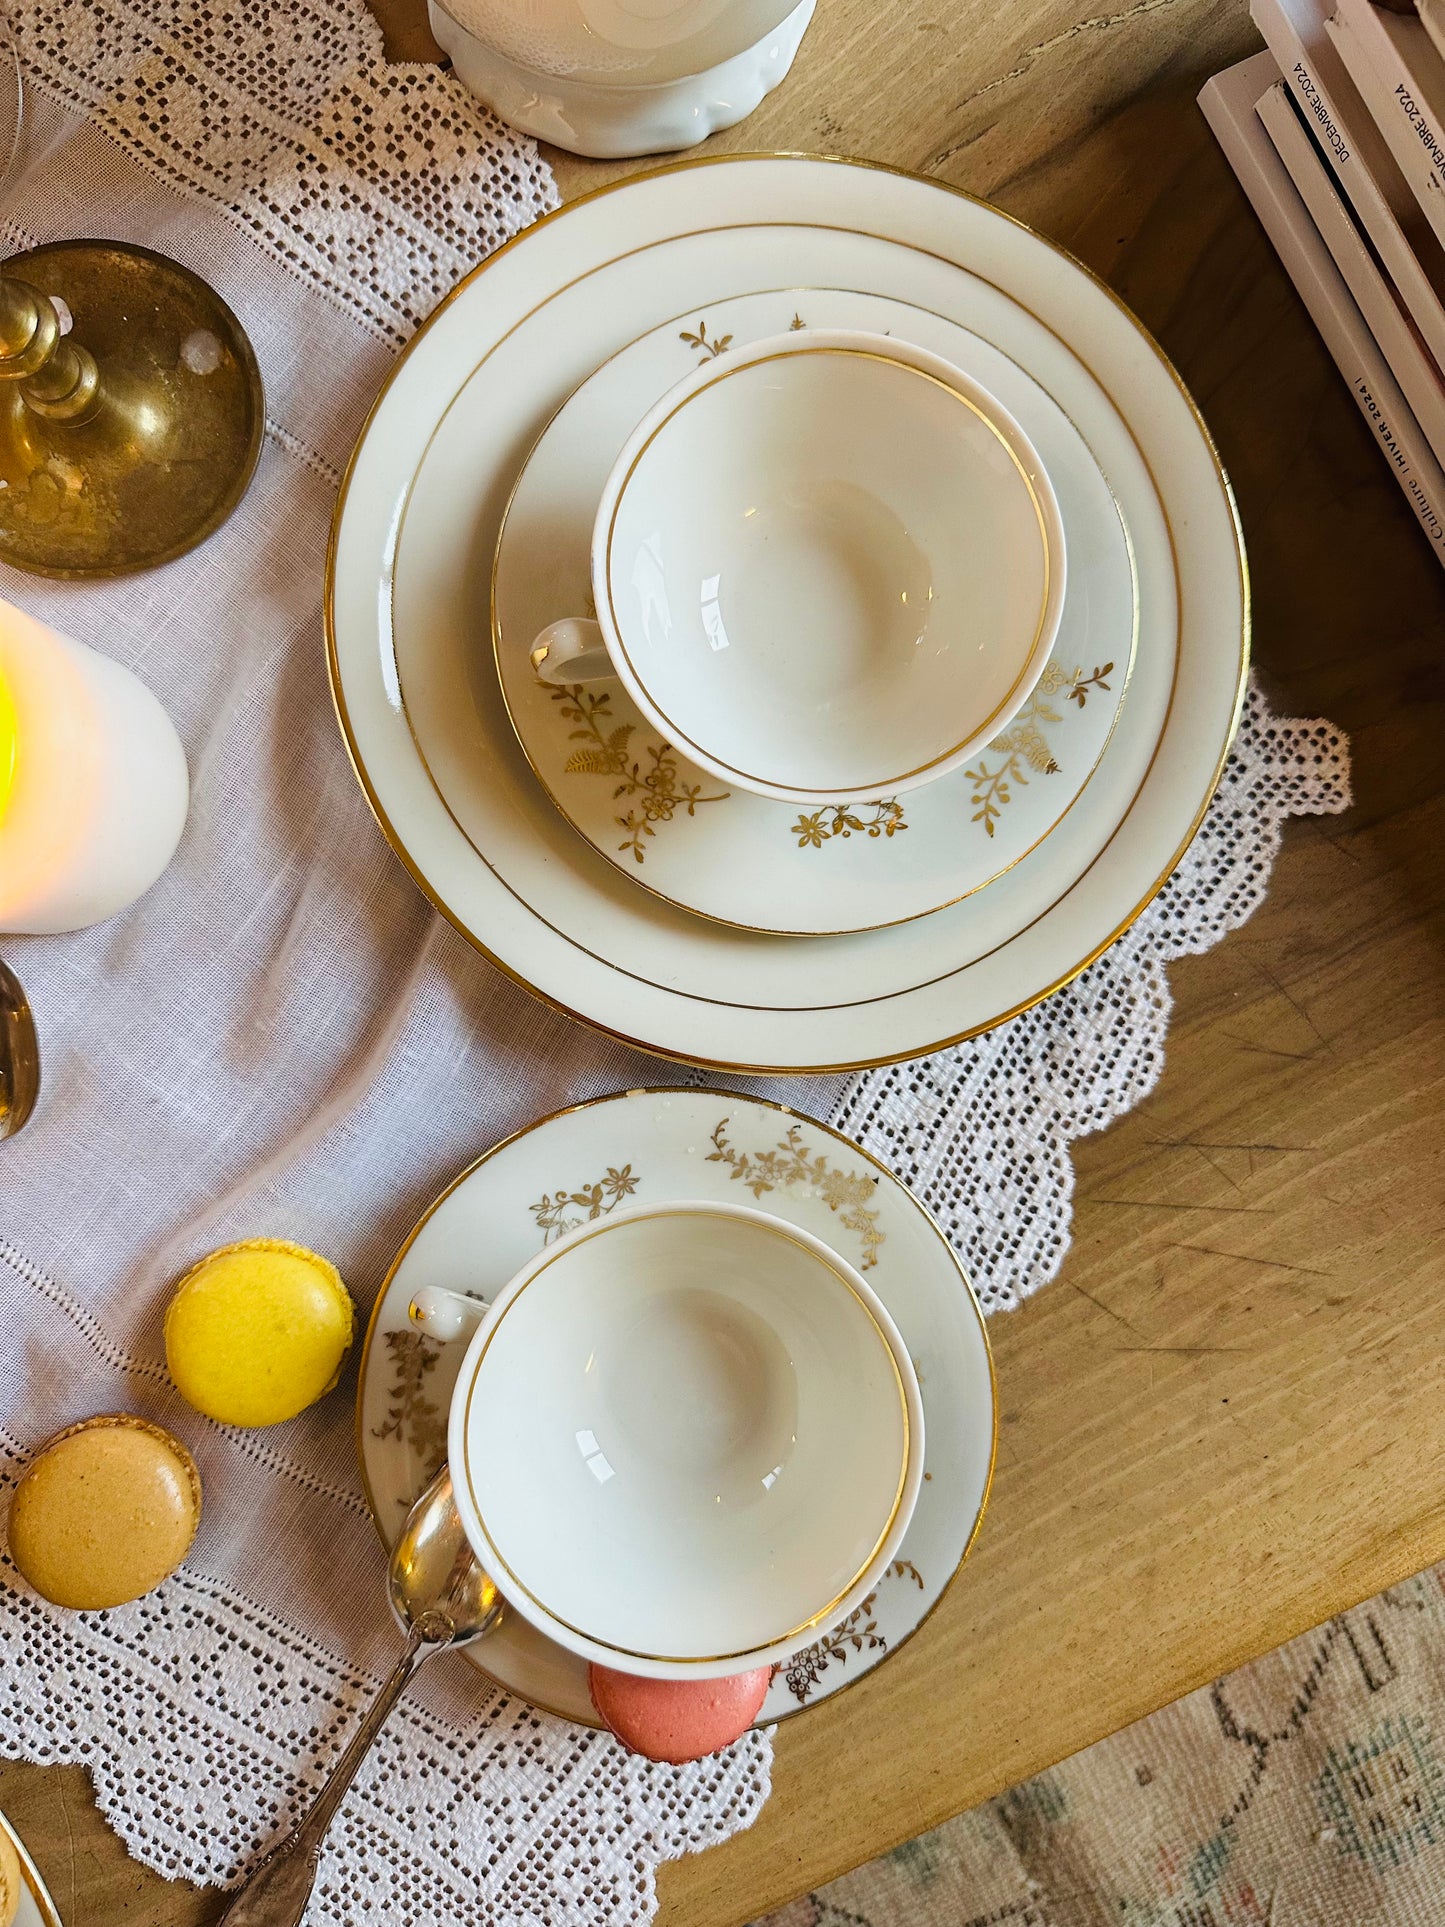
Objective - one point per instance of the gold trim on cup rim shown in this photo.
(882, 785)
(476, 1654)
(789, 1235)
(453, 917)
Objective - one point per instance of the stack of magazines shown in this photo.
(1337, 134)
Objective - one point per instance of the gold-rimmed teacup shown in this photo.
(825, 566)
(682, 1438)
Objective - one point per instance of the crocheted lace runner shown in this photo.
(288, 1042)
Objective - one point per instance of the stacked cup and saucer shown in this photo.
(715, 1394)
(786, 614)
(827, 570)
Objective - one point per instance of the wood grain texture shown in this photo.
(1223, 1423)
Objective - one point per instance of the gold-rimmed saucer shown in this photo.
(725, 853)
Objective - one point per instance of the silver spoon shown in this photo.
(441, 1597)
(19, 1055)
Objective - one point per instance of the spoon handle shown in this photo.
(277, 1892)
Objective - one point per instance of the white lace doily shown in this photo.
(286, 1041)
(982, 1133)
(378, 185)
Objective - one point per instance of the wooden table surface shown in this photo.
(1225, 1421)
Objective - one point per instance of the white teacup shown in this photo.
(685, 1438)
(827, 567)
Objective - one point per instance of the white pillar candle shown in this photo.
(93, 785)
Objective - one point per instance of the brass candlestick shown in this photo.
(131, 409)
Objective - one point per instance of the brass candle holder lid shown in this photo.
(131, 409)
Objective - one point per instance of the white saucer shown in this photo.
(415, 686)
(729, 854)
(646, 1146)
(36, 1908)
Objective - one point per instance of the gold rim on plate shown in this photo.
(476, 1654)
(915, 1050)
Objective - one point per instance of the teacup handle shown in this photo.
(571, 650)
(444, 1314)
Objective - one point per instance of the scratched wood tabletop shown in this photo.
(1224, 1422)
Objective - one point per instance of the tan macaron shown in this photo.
(105, 1511)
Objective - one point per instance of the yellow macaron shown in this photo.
(106, 1510)
(258, 1331)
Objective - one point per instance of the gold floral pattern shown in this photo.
(1022, 747)
(412, 1416)
(1077, 685)
(787, 1166)
(849, 819)
(560, 1211)
(707, 350)
(653, 783)
(858, 1633)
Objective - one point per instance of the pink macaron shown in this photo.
(677, 1720)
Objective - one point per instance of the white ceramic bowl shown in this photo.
(828, 566)
(618, 42)
(614, 77)
(684, 1436)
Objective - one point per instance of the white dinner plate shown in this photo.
(415, 686)
(725, 852)
(651, 1147)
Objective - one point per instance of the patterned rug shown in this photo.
(1305, 1790)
